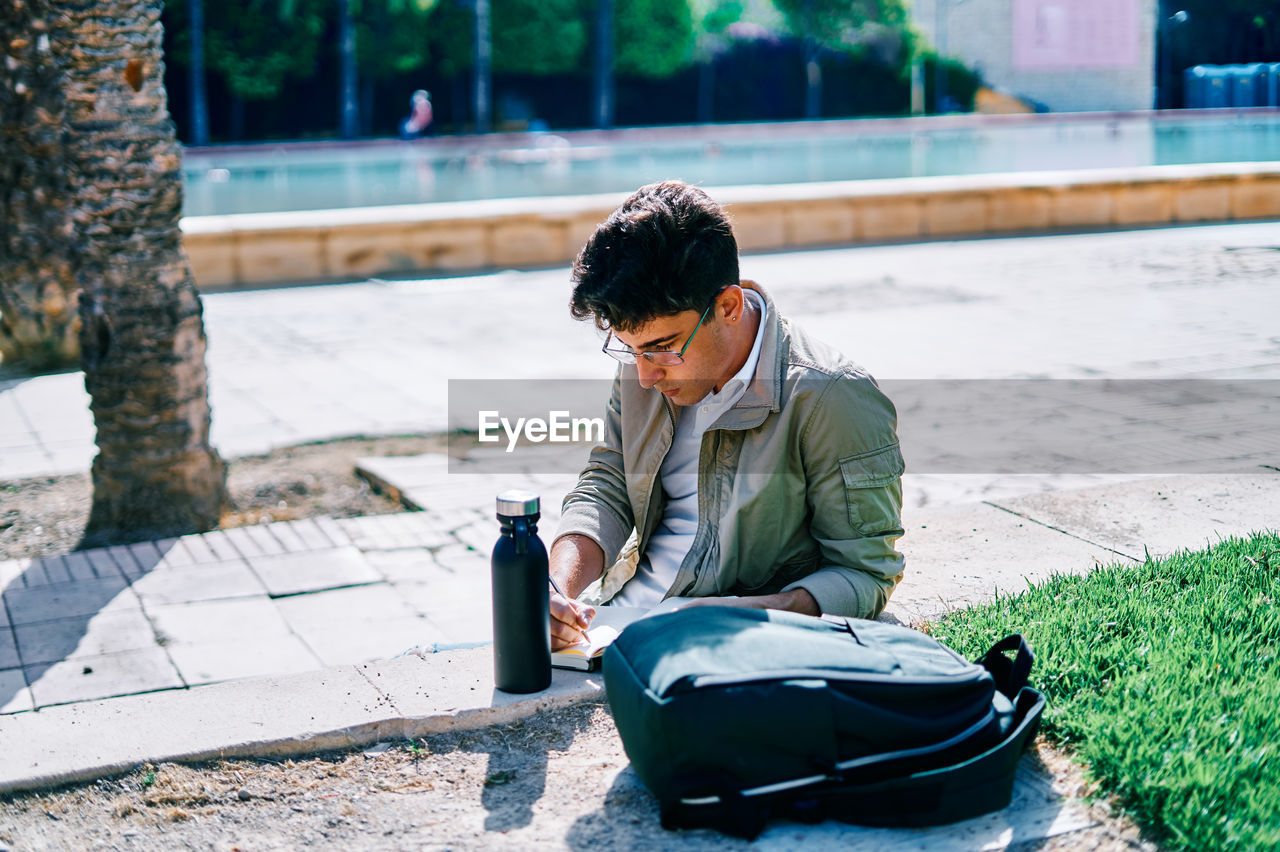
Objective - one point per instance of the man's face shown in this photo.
(707, 360)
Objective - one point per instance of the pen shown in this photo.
(559, 591)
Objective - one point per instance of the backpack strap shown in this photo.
(1010, 675)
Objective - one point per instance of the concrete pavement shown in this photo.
(304, 364)
(208, 631)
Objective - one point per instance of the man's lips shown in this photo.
(671, 391)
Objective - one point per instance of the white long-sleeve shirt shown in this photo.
(671, 540)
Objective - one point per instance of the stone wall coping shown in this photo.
(569, 206)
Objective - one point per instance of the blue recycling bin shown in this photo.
(1206, 87)
(1273, 84)
(1248, 84)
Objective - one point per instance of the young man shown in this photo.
(744, 463)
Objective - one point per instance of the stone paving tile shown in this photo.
(367, 605)
(365, 533)
(66, 600)
(238, 620)
(25, 462)
(453, 518)
(395, 531)
(408, 564)
(103, 564)
(460, 559)
(245, 544)
(292, 573)
(8, 649)
(411, 529)
(231, 659)
(147, 555)
(79, 566)
(312, 537)
(50, 568)
(219, 546)
(461, 610)
(30, 573)
(105, 676)
(481, 535)
(287, 537)
(198, 547)
(11, 571)
(267, 543)
(84, 636)
(130, 567)
(15, 697)
(344, 642)
(333, 531)
(207, 582)
(175, 553)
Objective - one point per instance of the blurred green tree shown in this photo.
(255, 46)
(843, 25)
(712, 19)
(652, 38)
(535, 37)
(392, 39)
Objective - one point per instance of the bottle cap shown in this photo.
(514, 504)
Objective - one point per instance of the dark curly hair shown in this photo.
(668, 248)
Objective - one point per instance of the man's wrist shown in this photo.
(799, 600)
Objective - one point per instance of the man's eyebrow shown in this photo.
(656, 342)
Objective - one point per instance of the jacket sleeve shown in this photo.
(598, 506)
(853, 470)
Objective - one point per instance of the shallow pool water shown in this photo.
(284, 177)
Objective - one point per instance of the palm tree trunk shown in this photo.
(39, 324)
(142, 340)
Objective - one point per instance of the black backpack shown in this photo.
(731, 716)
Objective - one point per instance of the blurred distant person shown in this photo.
(419, 121)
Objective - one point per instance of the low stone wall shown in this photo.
(254, 249)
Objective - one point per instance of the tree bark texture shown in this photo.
(142, 331)
(39, 325)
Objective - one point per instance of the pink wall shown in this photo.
(1055, 34)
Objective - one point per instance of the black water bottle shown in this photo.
(521, 607)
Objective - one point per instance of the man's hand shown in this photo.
(796, 600)
(569, 621)
(575, 562)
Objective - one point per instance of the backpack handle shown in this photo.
(1010, 675)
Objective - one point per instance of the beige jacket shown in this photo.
(799, 483)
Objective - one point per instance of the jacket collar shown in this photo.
(764, 393)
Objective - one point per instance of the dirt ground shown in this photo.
(46, 516)
(557, 781)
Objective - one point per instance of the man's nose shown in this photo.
(649, 372)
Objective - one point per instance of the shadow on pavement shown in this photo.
(516, 776)
(72, 629)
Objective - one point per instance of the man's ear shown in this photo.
(729, 303)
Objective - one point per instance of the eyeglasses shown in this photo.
(668, 358)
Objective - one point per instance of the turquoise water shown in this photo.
(282, 177)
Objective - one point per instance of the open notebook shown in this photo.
(609, 621)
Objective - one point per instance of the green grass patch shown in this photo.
(1164, 678)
